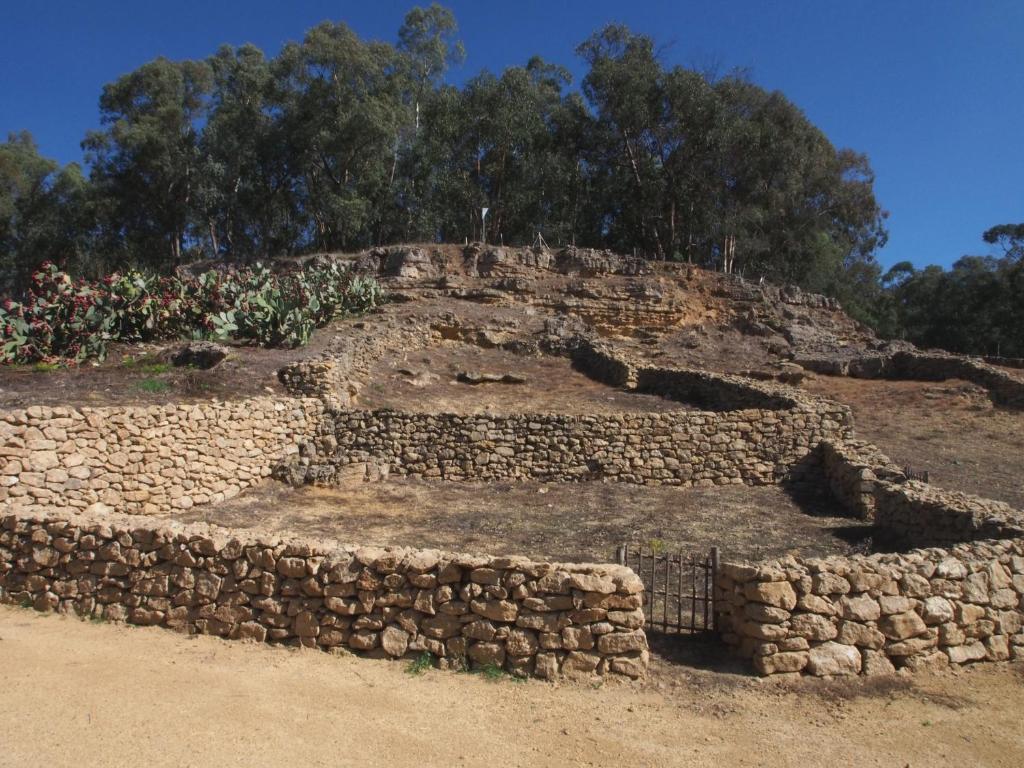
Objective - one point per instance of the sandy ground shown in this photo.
(82, 694)
(556, 521)
(949, 428)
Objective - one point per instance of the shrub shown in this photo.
(62, 319)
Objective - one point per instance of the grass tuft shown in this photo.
(420, 664)
(153, 385)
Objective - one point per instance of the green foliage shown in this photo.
(975, 307)
(341, 143)
(492, 672)
(153, 386)
(1008, 236)
(75, 320)
(420, 664)
(43, 211)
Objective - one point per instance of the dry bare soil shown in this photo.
(949, 428)
(83, 694)
(557, 521)
(428, 380)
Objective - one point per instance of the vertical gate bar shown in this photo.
(693, 597)
(668, 591)
(679, 593)
(714, 587)
(650, 598)
(707, 578)
(664, 607)
(663, 597)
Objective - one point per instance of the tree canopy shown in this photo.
(339, 143)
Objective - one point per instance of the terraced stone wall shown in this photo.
(756, 433)
(917, 514)
(911, 513)
(873, 614)
(852, 469)
(526, 617)
(1004, 388)
(148, 460)
(676, 448)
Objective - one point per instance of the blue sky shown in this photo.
(932, 91)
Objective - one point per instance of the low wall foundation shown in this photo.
(526, 617)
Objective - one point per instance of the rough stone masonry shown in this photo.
(537, 618)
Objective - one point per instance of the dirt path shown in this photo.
(81, 694)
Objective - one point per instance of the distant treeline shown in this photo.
(339, 143)
(976, 307)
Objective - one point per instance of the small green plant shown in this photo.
(45, 367)
(147, 363)
(657, 546)
(420, 664)
(153, 385)
(492, 672)
(26, 602)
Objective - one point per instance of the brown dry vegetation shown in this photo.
(949, 428)
(82, 694)
(581, 522)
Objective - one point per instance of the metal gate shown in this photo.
(679, 587)
(914, 474)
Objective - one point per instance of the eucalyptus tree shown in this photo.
(43, 212)
(247, 198)
(623, 85)
(145, 161)
(340, 108)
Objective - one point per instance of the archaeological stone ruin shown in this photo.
(91, 493)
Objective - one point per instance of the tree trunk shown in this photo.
(213, 238)
(672, 229)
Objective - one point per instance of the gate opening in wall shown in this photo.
(678, 587)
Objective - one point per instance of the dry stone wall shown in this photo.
(1004, 388)
(920, 515)
(526, 617)
(675, 448)
(852, 469)
(337, 374)
(910, 513)
(757, 434)
(149, 460)
(872, 614)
